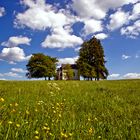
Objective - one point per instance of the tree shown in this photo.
(69, 72)
(91, 63)
(40, 66)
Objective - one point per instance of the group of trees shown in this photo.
(40, 66)
(91, 63)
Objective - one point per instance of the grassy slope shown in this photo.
(70, 110)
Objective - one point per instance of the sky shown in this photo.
(58, 28)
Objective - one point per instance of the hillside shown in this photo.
(71, 110)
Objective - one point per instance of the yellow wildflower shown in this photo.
(17, 125)
(50, 134)
(70, 134)
(37, 137)
(64, 135)
(95, 119)
(99, 137)
(13, 111)
(89, 119)
(16, 104)
(36, 132)
(44, 128)
(90, 130)
(27, 112)
(10, 122)
(1, 99)
(46, 124)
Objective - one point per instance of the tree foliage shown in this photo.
(40, 66)
(69, 71)
(91, 61)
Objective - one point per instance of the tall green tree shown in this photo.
(40, 66)
(91, 62)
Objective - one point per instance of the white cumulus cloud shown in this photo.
(101, 36)
(97, 9)
(60, 38)
(14, 54)
(118, 19)
(10, 74)
(18, 70)
(92, 26)
(16, 40)
(114, 75)
(132, 31)
(136, 12)
(41, 16)
(67, 60)
(132, 76)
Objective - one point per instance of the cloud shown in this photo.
(101, 36)
(114, 76)
(14, 54)
(124, 57)
(132, 31)
(60, 38)
(41, 16)
(14, 41)
(2, 79)
(2, 11)
(18, 70)
(132, 76)
(118, 19)
(67, 60)
(95, 9)
(136, 12)
(10, 74)
(92, 26)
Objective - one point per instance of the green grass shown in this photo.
(74, 110)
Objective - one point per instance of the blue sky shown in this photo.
(59, 27)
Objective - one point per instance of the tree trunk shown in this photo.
(45, 78)
(49, 78)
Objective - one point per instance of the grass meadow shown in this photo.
(73, 110)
